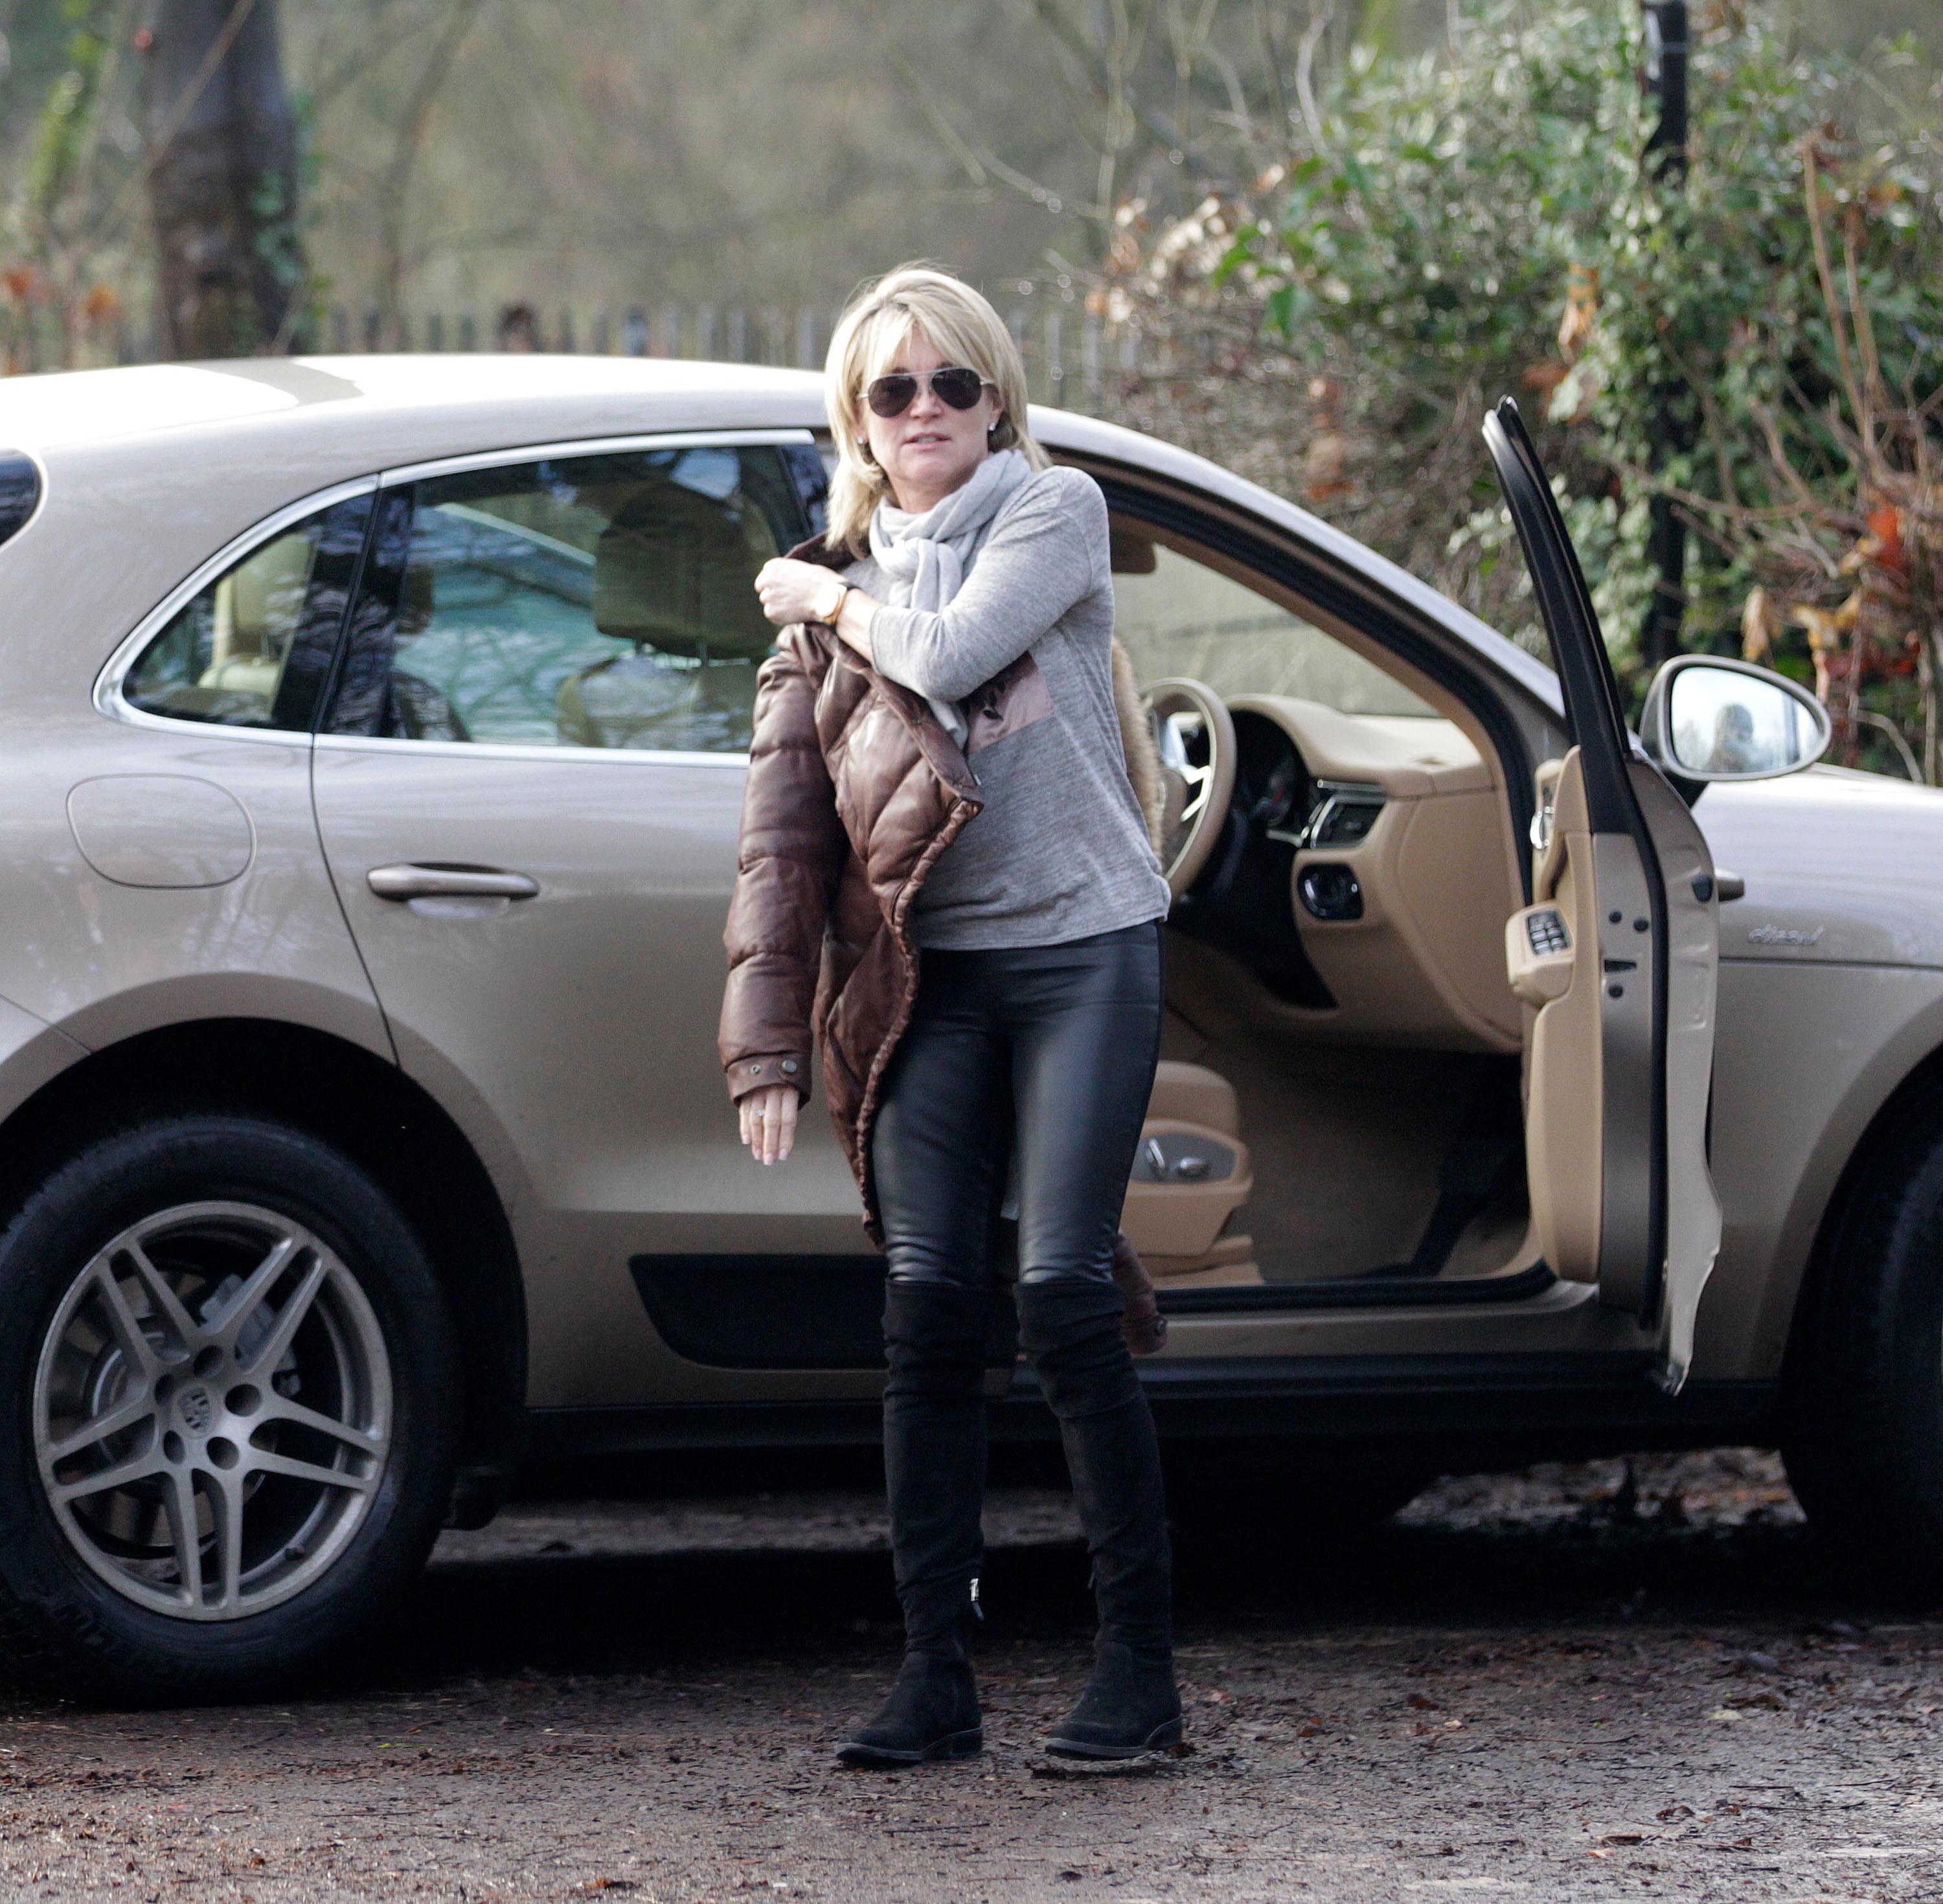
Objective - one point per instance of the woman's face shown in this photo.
(931, 449)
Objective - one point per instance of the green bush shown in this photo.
(1491, 218)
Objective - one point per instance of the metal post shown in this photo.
(1665, 78)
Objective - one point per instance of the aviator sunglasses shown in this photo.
(892, 395)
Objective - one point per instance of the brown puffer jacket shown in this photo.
(854, 789)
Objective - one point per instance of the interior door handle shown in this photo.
(449, 881)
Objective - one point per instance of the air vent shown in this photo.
(1343, 814)
(19, 491)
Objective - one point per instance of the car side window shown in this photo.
(253, 648)
(604, 601)
(1178, 615)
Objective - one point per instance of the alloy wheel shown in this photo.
(212, 1411)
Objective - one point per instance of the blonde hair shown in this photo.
(964, 329)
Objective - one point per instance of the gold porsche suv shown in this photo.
(372, 744)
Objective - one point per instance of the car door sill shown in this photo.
(1360, 1292)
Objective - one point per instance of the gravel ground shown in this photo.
(1605, 1681)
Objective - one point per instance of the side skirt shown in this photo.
(1462, 1413)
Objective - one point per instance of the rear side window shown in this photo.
(602, 601)
(19, 491)
(252, 649)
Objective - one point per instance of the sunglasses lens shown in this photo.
(891, 396)
(957, 386)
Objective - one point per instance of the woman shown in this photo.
(938, 768)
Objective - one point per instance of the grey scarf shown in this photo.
(923, 558)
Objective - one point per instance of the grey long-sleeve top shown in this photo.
(1060, 850)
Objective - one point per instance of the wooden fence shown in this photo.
(1069, 352)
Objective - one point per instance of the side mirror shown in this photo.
(1707, 718)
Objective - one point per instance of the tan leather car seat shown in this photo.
(1190, 1176)
(1194, 1094)
(257, 609)
(673, 573)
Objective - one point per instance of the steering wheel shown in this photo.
(1196, 736)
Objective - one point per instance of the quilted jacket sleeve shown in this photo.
(791, 854)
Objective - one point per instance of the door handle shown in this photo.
(449, 881)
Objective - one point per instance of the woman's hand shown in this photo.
(768, 1116)
(804, 591)
(795, 592)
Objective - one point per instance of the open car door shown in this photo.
(1615, 961)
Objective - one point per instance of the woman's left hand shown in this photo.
(794, 591)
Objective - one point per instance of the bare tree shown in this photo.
(394, 191)
(222, 179)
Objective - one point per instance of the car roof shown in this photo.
(262, 432)
(161, 405)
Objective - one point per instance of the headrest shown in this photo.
(264, 596)
(676, 571)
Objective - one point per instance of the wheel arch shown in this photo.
(1918, 1096)
(347, 1097)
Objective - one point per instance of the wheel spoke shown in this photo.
(261, 1461)
(366, 1440)
(186, 1534)
(243, 1305)
(226, 1500)
(122, 1475)
(142, 1408)
(264, 1357)
(133, 1344)
(167, 1303)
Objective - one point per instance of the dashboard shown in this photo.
(1363, 874)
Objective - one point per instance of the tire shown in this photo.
(235, 1323)
(1863, 1438)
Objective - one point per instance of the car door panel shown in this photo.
(1692, 981)
(1619, 1058)
(542, 923)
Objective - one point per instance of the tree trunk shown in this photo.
(223, 179)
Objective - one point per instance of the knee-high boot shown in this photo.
(1071, 1327)
(935, 1475)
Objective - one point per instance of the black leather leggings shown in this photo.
(1046, 1055)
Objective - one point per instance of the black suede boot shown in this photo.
(1129, 1706)
(1071, 1329)
(934, 1337)
(932, 1712)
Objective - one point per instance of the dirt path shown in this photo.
(1542, 1688)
